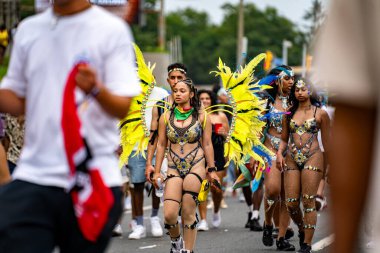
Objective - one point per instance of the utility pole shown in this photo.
(161, 27)
(285, 45)
(304, 55)
(239, 53)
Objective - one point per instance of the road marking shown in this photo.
(148, 247)
(325, 242)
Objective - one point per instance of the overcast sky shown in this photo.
(292, 9)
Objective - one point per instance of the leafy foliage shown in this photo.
(203, 42)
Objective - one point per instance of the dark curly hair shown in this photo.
(211, 95)
(275, 71)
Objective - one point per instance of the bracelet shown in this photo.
(94, 91)
(211, 169)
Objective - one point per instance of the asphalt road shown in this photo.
(230, 237)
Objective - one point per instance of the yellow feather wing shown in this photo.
(133, 129)
(246, 126)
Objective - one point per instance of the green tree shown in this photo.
(315, 16)
(26, 8)
(203, 42)
(265, 30)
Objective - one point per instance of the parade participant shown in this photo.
(136, 167)
(176, 72)
(281, 79)
(303, 163)
(185, 127)
(220, 130)
(243, 141)
(253, 201)
(73, 83)
(134, 134)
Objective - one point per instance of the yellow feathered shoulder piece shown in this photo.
(246, 126)
(133, 129)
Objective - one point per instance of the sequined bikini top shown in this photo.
(276, 118)
(190, 134)
(309, 126)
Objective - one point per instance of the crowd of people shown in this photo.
(66, 104)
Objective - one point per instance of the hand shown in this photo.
(86, 78)
(149, 169)
(211, 177)
(280, 162)
(155, 177)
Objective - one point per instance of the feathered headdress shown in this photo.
(246, 127)
(133, 128)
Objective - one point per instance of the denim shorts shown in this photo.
(136, 166)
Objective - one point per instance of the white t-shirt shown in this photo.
(46, 49)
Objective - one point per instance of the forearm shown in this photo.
(151, 149)
(209, 154)
(159, 157)
(282, 147)
(11, 103)
(114, 105)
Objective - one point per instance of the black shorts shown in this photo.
(35, 218)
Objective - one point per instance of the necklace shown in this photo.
(284, 101)
(182, 114)
(306, 108)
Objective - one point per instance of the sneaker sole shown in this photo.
(132, 238)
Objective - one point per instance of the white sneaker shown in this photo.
(216, 220)
(138, 233)
(156, 226)
(132, 225)
(117, 231)
(202, 225)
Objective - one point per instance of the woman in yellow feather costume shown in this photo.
(243, 139)
(133, 128)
